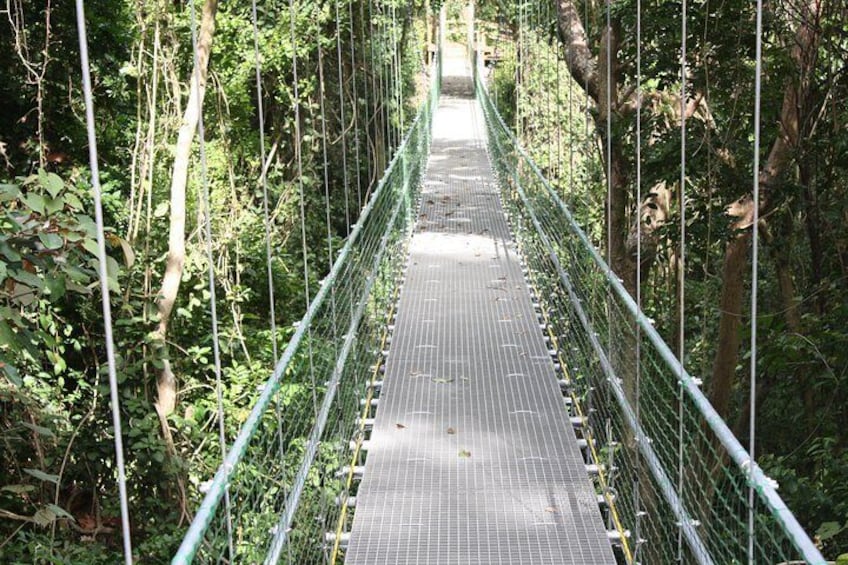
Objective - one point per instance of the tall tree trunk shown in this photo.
(730, 304)
(807, 37)
(813, 225)
(591, 74)
(167, 381)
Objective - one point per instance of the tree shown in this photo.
(167, 381)
(736, 265)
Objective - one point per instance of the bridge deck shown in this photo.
(472, 456)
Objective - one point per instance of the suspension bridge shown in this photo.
(472, 383)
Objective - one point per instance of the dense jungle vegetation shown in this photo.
(58, 498)
(58, 501)
(550, 84)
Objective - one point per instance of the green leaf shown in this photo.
(11, 373)
(8, 337)
(35, 202)
(51, 182)
(23, 295)
(88, 225)
(2, 271)
(59, 366)
(112, 271)
(56, 287)
(77, 275)
(9, 192)
(73, 202)
(44, 517)
(9, 252)
(42, 476)
(72, 236)
(53, 205)
(91, 246)
(60, 512)
(18, 489)
(38, 429)
(27, 278)
(51, 240)
(129, 254)
(161, 210)
(829, 530)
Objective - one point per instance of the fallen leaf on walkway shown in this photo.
(400, 426)
(451, 431)
(464, 453)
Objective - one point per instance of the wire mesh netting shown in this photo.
(284, 482)
(676, 475)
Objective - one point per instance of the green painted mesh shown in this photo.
(284, 482)
(678, 476)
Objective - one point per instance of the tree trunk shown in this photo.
(807, 37)
(167, 382)
(732, 290)
(813, 225)
(581, 63)
(591, 74)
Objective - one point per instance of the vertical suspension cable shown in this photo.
(104, 281)
(517, 73)
(381, 122)
(608, 96)
(752, 417)
(637, 393)
(263, 179)
(570, 132)
(213, 303)
(326, 169)
(370, 95)
(391, 83)
(326, 173)
(588, 172)
(343, 127)
(266, 220)
(299, 159)
(519, 70)
(528, 61)
(385, 71)
(398, 78)
(587, 115)
(559, 128)
(536, 111)
(608, 111)
(548, 95)
(681, 273)
(355, 107)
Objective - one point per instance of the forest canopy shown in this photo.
(361, 71)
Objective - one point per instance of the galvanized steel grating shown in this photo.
(472, 458)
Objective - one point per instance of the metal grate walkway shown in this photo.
(472, 458)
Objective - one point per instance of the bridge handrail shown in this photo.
(764, 485)
(218, 487)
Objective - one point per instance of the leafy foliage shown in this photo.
(803, 281)
(58, 496)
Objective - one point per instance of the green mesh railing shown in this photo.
(280, 492)
(678, 477)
